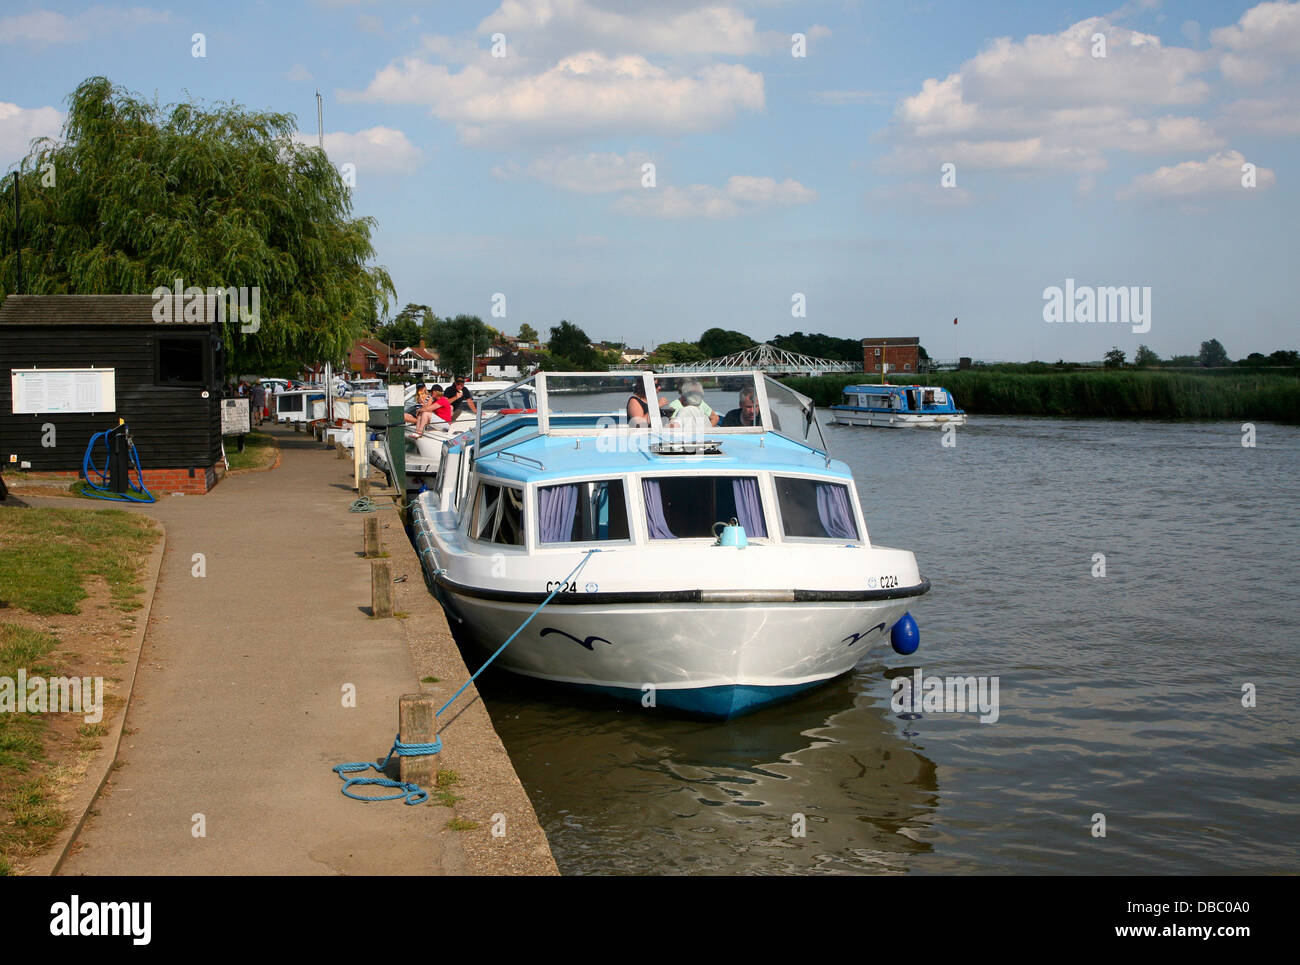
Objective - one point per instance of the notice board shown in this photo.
(234, 417)
(63, 390)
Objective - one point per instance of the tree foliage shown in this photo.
(720, 342)
(570, 344)
(1213, 354)
(527, 333)
(1145, 356)
(134, 195)
(677, 353)
(1114, 358)
(821, 346)
(458, 340)
(412, 323)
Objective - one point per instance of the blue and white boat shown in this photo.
(897, 406)
(731, 564)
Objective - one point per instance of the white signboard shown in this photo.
(234, 417)
(63, 390)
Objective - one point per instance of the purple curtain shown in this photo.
(749, 513)
(556, 507)
(834, 511)
(654, 510)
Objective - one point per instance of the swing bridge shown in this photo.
(765, 358)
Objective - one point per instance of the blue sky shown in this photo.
(774, 174)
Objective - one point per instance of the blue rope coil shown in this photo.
(413, 793)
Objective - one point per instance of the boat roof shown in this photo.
(888, 387)
(537, 458)
(573, 431)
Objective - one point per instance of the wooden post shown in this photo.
(381, 588)
(340, 449)
(360, 413)
(416, 724)
(363, 488)
(370, 536)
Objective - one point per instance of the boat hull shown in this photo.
(715, 660)
(894, 420)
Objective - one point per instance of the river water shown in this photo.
(1119, 695)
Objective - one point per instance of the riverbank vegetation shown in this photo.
(1132, 394)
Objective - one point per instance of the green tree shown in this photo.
(571, 343)
(718, 342)
(134, 195)
(1145, 357)
(1284, 357)
(821, 346)
(677, 353)
(1213, 354)
(527, 333)
(459, 338)
(406, 328)
(1114, 358)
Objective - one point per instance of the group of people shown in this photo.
(431, 403)
(689, 408)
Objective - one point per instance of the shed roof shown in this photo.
(93, 310)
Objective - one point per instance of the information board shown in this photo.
(234, 417)
(63, 390)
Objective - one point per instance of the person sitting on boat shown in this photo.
(746, 414)
(460, 399)
(638, 411)
(412, 408)
(436, 406)
(691, 396)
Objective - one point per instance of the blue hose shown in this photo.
(101, 490)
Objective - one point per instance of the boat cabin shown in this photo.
(641, 459)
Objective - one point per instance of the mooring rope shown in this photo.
(411, 792)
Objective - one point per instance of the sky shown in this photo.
(651, 170)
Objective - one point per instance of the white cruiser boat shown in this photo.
(424, 451)
(712, 559)
(897, 406)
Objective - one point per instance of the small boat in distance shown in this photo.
(897, 406)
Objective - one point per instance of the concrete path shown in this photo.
(237, 713)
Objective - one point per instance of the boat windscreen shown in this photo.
(793, 415)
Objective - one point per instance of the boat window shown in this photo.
(498, 515)
(582, 512)
(814, 509)
(686, 507)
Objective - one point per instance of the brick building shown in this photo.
(901, 354)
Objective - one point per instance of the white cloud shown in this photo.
(43, 28)
(298, 73)
(19, 125)
(561, 26)
(741, 194)
(382, 150)
(1046, 103)
(1261, 45)
(588, 93)
(583, 173)
(1220, 174)
(1277, 116)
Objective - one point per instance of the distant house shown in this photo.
(370, 358)
(900, 354)
(510, 365)
(419, 360)
(633, 356)
(75, 364)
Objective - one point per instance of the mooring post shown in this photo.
(370, 536)
(340, 449)
(417, 724)
(360, 414)
(363, 487)
(381, 588)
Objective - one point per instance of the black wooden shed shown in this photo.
(56, 355)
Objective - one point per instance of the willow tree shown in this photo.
(134, 195)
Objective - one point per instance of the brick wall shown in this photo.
(163, 481)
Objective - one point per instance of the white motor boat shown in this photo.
(897, 406)
(707, 563)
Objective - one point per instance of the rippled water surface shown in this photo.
(1119, 695)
